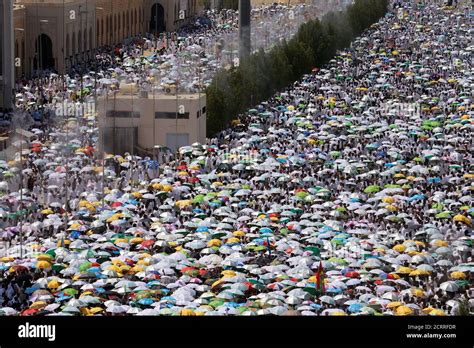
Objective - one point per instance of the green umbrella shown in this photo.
(392, 186)
(216, 303)
(198, 199)
(372, 189)
(444, 215)
(58, 267)
(312, 290)
(70, 292)
(85, 266)
(338, 260)
(315, 250)
(301, 194)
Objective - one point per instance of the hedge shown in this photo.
(262, 74)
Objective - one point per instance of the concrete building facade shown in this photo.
(6, 53)
(56, 34)
(135, 122)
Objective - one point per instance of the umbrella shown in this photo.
(449, 286)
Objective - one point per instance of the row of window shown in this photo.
(158, 115)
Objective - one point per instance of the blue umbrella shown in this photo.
(434, 180)
(146, 301)
(418, 197)
(333, 290)
(355, 307)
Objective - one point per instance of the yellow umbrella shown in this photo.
(114, 217)
(184, 203)
(157, 186)
(187, 312)
(404, 270)
(239, 234)
(137, 240)
(312, 142)
(217, 283)
(217, 183)
(83, 204)
(113, 268)
(44, 257)
(228, 273)
(440, 243)
(121, 240)
(7, 259)
(419, 272)
(75, 226)
(399, 175)
(183, 173)
(66, 242)
(53, 284)
(214, 242)
(117, 262)
(417, 292)
(438, 312)
(95, 310)
(137, 194)
(462, 218)
(167, 188)
(47, 211)
(399, 247)
(43, 265)
(427, 310)
(403, 310)
(38, 305)
(458, 275)
(143, 262)
(233, 240)
(136, 269)
(291, 108)
(391, 207)
(394, 304)
(388, 199)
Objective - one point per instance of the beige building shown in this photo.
(141, 122)
(56, 34)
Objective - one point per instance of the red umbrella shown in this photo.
(147, 243)
(116, 204)
(186, 269)
(29, 311)
(193, 180)
(352, 274)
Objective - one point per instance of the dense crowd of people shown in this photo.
(350, 193)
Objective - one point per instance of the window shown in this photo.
(171, 115)
(202, 112)
(123, 114)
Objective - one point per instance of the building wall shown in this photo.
(150, 131)
(77, 27)
(6, 53)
